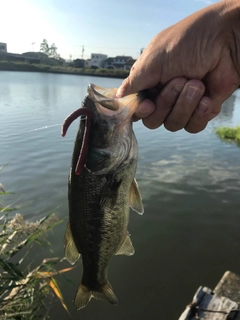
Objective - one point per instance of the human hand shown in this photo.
(203, 47)
(180, 104)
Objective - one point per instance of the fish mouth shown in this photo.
(102, 92)
(104, 96)
(107, 98)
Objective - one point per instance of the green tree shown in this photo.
(53, 51)
(44, 47)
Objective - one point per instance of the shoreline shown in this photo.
(27, 67)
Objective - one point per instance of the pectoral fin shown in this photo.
(71, 251)
(135, 198)
(127, 247)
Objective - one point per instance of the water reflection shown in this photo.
(227, 111)
(189, 183)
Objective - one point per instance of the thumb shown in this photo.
(125, 88)
(141, 77)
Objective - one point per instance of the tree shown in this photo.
(44, 47)
(50, 51)
(53, 51)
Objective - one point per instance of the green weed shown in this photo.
(229, 134)
(26, 292)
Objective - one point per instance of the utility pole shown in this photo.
(82, 51)
(33, 43)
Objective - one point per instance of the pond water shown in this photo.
(190, 184)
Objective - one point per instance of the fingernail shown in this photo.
(202, 107)
(192, 92)
(176, 90)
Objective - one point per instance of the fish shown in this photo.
(101, 189)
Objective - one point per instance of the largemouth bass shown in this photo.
(101, 189)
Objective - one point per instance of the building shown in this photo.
(87, 63)
(108, 63)
(119, 62)
(34, 57)
(97, 60)
(30, 57)
(15, 57)
(3, 47)
(79, 63)
(42, 58)
(128, 65)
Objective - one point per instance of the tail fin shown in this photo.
(84, 295)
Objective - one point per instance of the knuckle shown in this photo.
(197, 84)
(166, 99)
(194, 93)
(170, 93)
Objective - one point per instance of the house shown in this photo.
(3, 47)
(87, 63)
(108, 63)
(79, 63)
(130, 62)
(31, 57)
(97, 60)
(40, 57)
(34, 57)
(8, 56)
(119, 62)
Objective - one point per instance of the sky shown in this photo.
(111, 27)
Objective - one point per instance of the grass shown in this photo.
(26, 292)
(100, 72)
(229, 134)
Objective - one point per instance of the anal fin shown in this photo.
(127, 247)
(71, 251)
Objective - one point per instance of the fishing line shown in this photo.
(32, 130)
(37, 129)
